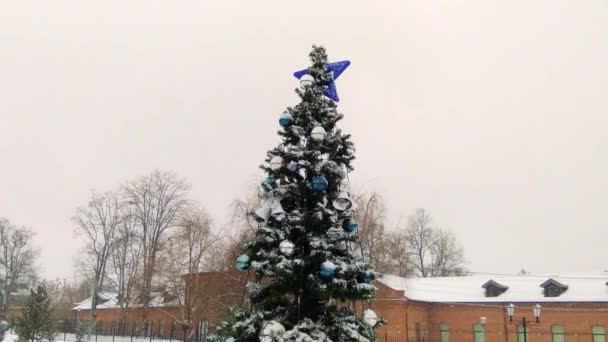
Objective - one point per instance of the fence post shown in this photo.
(171, 332)
(132, 330)
(151, 330)
(112, 331)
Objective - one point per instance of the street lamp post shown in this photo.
(524, 323)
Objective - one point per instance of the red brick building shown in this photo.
(472, 309)
(452, 309)
(217, 292)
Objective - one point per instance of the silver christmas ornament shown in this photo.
(370, 317)
(307, 80)
(318, 133)
(343, 201)
(277, 213)
(292, 166)
(286, 247)
(271, 330)
(276, 163)
(263, 213)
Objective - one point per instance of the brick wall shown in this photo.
(577, 319)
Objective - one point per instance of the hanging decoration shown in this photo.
(271, 330)
(262, 214)
(286, 247)
(365, 278)
(318, 133)
(319, 184)
(268, 182)
(306, 81)
(243, 262)
(336, 69)
(349, 225)
(276, 163)
(328, 270)
(343, 201)
(370, 318)
(286, 120)
(277, 213)
(292, 166)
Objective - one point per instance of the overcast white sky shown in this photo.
(491, 114)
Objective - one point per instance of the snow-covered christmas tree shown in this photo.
(309, 271)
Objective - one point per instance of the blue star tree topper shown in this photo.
(336, 69)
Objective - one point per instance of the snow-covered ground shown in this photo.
(9, 337)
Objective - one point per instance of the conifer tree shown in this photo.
(35, 322)
(308, 271)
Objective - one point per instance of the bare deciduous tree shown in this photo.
(17, 256)
(240, 229)
(397, 259)
(419, 235)
(433, 252)
(369, 214)
(183, 258)
(156, 201)
(98, 223)
(126, 264)
(448, 256)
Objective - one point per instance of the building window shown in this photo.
(557, 332)
(493, 288)
(520, 334)
(599, 334)
(444, 333)
(553, 288)
(478, 333)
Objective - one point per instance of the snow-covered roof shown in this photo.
(109, 300)
(581, 287)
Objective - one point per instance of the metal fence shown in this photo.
(105, 331)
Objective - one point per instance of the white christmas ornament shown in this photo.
(343, 202)
(271, 329)
(263, 213)
(306, 80)
(286, 247)
(276, 163)
(318, 133)
(370, 318)
(292, 166)
(277, 213)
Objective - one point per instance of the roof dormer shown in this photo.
(553, 288)
(494, 289)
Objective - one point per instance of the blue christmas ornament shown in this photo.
(286, 120)
(349, 226)
(268, 182)
(365, 278)
(243, 262)
(319, 184)
(327, 271)
(336, 69)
